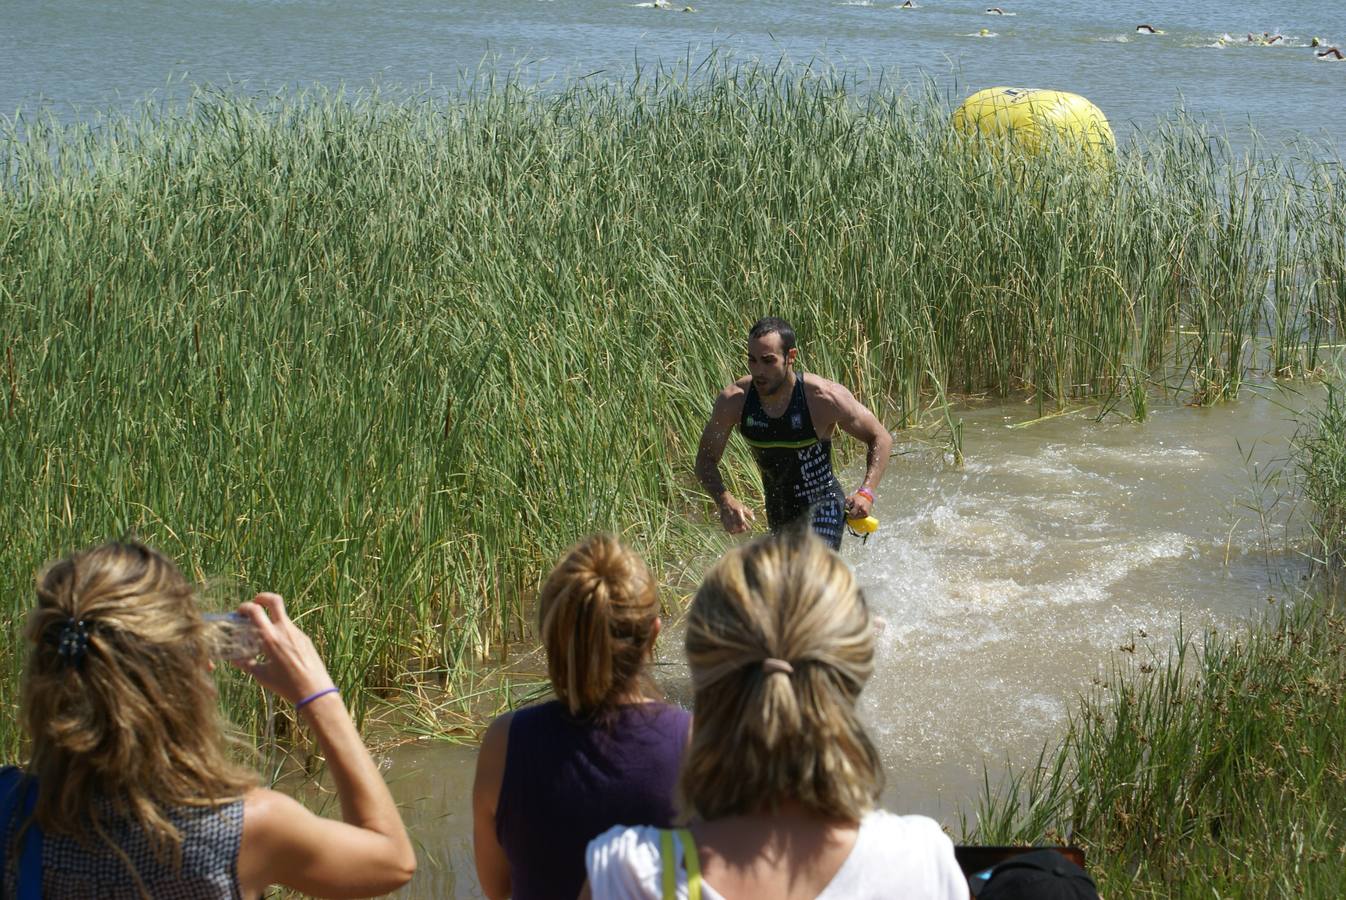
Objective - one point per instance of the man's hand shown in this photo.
(734, 516)
(858, 505)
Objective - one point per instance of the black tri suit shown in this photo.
(796, 466)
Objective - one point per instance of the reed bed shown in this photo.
(389, 356)
(1320, 453)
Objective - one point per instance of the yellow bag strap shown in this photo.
(693, 864)
(670, 864)
(670, 867)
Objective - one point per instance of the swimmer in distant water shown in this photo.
(985, 32)
(1147, 29)
(1316, 42)
(1266, 40)
(909, 5)
(996, 11)
(1331, 53)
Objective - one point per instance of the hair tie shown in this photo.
(71, 642)
(771, 665)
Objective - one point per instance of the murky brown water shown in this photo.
(1007, 586)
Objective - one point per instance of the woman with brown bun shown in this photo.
(781, 781)
(551, 777)
(130, 791)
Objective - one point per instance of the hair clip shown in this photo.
(72, 641)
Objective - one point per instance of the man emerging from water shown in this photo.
(788, 419)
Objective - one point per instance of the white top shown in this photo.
(906, 856)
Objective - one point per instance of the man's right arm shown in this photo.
(723, 417)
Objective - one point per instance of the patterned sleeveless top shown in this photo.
(211, 838)
(796, 466)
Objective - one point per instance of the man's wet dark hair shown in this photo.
(773, 325)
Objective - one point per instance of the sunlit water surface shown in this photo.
(74, 56)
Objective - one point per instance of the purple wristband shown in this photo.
(867, 492)
(311, 697)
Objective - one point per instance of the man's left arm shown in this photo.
(856, 420)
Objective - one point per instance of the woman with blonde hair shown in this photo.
(781, 781)
(130, 791)
(552, 776)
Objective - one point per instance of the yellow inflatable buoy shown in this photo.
(1033, 119)
(867, 525)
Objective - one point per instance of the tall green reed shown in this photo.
(1320, 452)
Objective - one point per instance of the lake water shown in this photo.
(75, 56)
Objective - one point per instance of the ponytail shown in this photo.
(596, 616)
(779, 643)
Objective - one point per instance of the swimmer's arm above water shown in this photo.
(734, 516)
(837, 404)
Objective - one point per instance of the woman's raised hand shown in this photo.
(289, 665)
(366, 854)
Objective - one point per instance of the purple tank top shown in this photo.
(568, 780)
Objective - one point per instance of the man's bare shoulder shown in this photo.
(818, 389)
(734, 393)
(728, 407)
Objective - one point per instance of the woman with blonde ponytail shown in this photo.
(552, 776)
(781, 781)
(130, 790)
